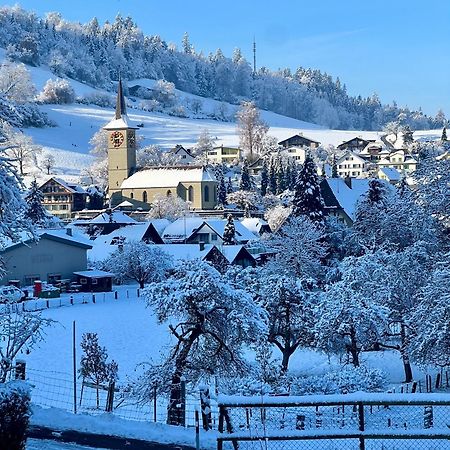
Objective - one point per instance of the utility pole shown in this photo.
(254, 56)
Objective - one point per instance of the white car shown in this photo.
(9, 294)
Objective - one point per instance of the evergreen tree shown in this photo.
(287, 176)
(272, 178)
(245, 183)
(35, 210)
(334, 171)
(229, 186)
(222, 189)
(280, 177)
(229, 231)
(308, 199)
(264, 179)
(444, 135)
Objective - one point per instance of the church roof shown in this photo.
(167, 177)
(120, 120)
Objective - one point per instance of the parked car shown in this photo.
(10, 294)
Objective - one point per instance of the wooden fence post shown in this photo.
(205, 404)
(428, 417)
(197, 431)
(154, 403)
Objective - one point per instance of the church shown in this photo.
(126, 182)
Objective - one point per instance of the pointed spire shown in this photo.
(121, 109)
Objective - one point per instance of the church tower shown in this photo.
(121, 148)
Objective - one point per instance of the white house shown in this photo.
(351, 165)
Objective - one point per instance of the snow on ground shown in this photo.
(33, 444)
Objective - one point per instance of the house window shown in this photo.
(214, 237)
(191, 194)
(131, 195)
(94, 281)
(203, 237)
(144, 196)
(83, 280)
(206, 193)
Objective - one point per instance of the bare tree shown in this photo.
(48, 162)
(251, 129)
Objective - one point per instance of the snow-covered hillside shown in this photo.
(76, 124)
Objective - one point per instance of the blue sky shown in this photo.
(399, 48)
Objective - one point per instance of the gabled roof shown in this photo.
(391, 174)
(179, 148)
(116, 216)
(356, 138)
(255, 225)
(242, 234)
(353, 154)
(72, 188)
(300, 136)
(57, 235)
(182, 228)
(167, 177)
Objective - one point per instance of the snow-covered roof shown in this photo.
(114, 217)
(125, 204)
(182, 228)
(94, 274)
(73, 188)
(185, 251)
(346, 196)
(348, 153)
(58, 234)
(167, 177)
(391, 173)
(160, 225)
(242, 234)
(120, 124)
(254, 224)
(231, 251)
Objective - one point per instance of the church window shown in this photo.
(191, 194)
(206, 193)
(169, 193)
(131, 195)
(144, 196)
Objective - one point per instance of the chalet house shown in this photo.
(197, 230)
(54, 257)
(184, 156)
(62, 198)
(298, 154)
(374, 151)
(356, 145)
(224, 155)
(298, 140)
(341, 196)
(351, 165)
(399, 159)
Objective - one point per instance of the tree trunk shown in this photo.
(141, 284)
(353, 348)
(175, 410)
(404, 354)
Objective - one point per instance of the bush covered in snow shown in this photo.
(101, 99)
(341, 381)
(14, 415)
(57, 92)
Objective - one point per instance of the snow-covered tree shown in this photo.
(19, 330)
(245, 183)
(444, 135)
(308, 198)
(230, 189)
(246, 200)
(138, 261)
(168, 207)
(94, 365)
(290, 311)
(229, 231)
(57, 92)
(277, 215)
(15, 83)
(350, 317)
(205, 143)
(35, 210)
(299, 249)
(153, 155)
(21, 149)
(431, 318)
(48, 161)
(221, 189)
(264, 179)
(99, 144)
(211, 322)
(251, 129)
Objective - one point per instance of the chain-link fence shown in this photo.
(370, 421)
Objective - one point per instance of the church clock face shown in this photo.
(131, 139)
(117, 138)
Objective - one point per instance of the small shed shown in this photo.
(94, 281)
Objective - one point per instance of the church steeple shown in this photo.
(121, 107)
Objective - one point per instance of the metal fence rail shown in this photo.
(353, 421)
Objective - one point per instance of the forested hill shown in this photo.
(96, 54)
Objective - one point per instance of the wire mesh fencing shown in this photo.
(384, 421)
(52, 389)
